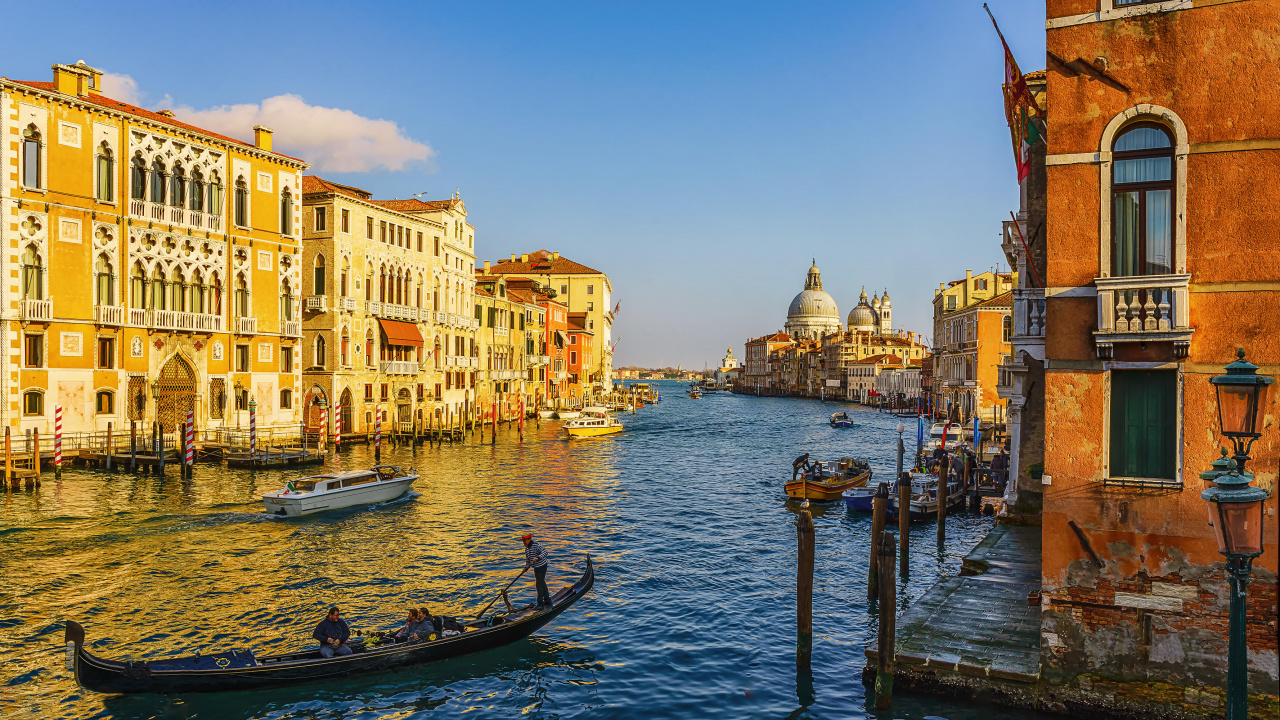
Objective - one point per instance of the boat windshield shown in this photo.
(304, 485)
(359, 480)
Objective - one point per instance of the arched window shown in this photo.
(1142, 201)
(104, 286)
(105, 402)
(33, 402)
(1008, 329)
(320, 351)
(215, 295)
(368, 348)
(32, 162)
(197, 196)
(158, 299)
(137, 287)
(435, 297)
(317, 282)
(158, 177)
(242, 203)
(368, 282)
(344, 349)
(178, 187)
(138, 178)
(199, 291)
(32, 274)
(418, 292)
(286, 301)
(382, 284)
(215, 194)
(242, 297)
(105, 168)
(286, 212)
(346, 270)
(286, 399)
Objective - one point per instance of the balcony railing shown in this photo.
(393, 311)
(1149, 308)
(184, 321)
(246, 326)
(400, 367)
(1028, 313)
(348, 304)
(501, 332)
(138, 317)
(318, 303)
(441, 317)
(161, 212)
(292, 328)
(37, 310)
(373, 307)
(108, 315)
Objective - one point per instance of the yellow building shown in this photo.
(503, 344)
(177, 257)
(584, 290)
(378, 333)
(972, 329)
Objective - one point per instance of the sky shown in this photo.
(700, 154)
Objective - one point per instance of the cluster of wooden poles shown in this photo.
(881, 590)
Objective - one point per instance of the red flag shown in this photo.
(615, 307)
(1019, 107)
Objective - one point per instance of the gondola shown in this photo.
(241, 670)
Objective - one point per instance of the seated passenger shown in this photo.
(410, 627)
(424, 625)
(332, 634)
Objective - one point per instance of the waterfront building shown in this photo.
(177, 256)
(1162, 259)
(503, 344)
(863, 382)
(760, 353)
(813, 313)
(972, 328)
(899, 384)
(580, 358)
(730, 368)
(546, 321)
(583, 290)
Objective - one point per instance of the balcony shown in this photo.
(246, 326)
(160, 212)
(36, 310)
(400, 367)
(138, 317)
(442, 318)
(373, 307)
(317, 303)
(292, 328)
(1028, 315)
(392, 311)
(501, 332)
(1149, 308)
(348, 304)
(108, 315)
(184, 321)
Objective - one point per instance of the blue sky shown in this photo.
(700, 153)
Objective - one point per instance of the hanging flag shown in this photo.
(1020, 108)
(616, 308)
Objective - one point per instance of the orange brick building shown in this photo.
(1163, 257)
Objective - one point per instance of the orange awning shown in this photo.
(401, 333)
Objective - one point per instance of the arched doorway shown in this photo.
(348, 415)
(404, 410)
(175, 392)
(314, 396)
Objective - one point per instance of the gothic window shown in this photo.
(242, 202)
(317, 282)
(1142, 201)
(158, 177)
(320, 351)
(199, 292)
(197, 191)
(104, 167)
(32, 274)
(158, 299)
(346, 271)
(32, 160)
(215, 295)
(138, 179)
(215, 194)
(286, 301)
(345, 348)
(104, 282)
(137, 287)
(178, 187)
(286, 212)
(242, 297)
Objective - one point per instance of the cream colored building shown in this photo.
(153, 267)
(387, 313)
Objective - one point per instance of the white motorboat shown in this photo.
(955, 435)
(546, 414)
(595, 421)
(339, 490)
(567, 414)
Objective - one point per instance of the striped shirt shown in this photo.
(535, 555)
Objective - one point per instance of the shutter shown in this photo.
(1142, 423)
(493, 313)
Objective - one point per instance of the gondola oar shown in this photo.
(508, 587)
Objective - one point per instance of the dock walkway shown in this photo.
(976, 634)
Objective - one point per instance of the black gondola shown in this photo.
(240, 670)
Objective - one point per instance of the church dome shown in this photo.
(813, 313)
(863, 317)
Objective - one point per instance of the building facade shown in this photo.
(178, 264)
(813, 313)
(972, 329)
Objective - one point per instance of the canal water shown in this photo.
(692, 614)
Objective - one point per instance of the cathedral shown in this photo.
(813, 314)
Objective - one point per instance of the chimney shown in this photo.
(486, 267)
(262, 137)
(513, 257)
(73, 79)
(524, 258)
(555, 256)
(166, 113)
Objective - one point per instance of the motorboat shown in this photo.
(593, 422)
(244, 670)
(841, 420)
(546, 414)
(924, 497)
(567, 414)
(954, 435)
(820, 481)
(339, 490)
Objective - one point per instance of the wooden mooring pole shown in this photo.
(888, 600)
(944, 493)
(35, 456)
(133, 445)
(110, 443)
(879, 509)
(904, 525)
(804, 589)
(8, 458)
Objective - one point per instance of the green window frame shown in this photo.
(1143, 425)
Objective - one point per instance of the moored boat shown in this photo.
(841, 420)
(567, 414)
(819, 481)
(244, 670)
(546, 414)
(593, 422)
(339, 490)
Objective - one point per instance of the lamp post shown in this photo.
(1235, 511)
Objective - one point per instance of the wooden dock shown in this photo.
(274, 457)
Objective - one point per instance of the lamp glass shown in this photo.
(1239, 527)
(1238, 407)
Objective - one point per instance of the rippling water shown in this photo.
(692, 614)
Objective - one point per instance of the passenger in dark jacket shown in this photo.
(332, 634)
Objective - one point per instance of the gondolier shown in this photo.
(535, 557)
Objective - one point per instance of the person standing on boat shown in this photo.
(535, 557)
(332, 634)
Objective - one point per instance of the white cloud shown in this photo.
(331, 139)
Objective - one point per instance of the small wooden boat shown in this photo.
(924, 497)
(243, 670)
(594, 422)
(339, 490)
(841, 420)
(825, 481)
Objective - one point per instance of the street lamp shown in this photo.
(1235, 511)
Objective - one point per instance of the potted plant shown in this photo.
(1035, 471)
(1033, 597)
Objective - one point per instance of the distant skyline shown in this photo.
(700, 154)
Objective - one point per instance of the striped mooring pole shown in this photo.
(337, 425)
(57, 443)
(191, 440)
(253, 426)
(324, 425)
(377, 433)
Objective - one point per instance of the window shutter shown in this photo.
(1142, 423)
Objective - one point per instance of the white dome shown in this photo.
(813, 313)
(811, 303)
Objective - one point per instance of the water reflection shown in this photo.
(692, 614)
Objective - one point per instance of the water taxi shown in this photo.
(954, 435)
(595, 421)
(339, 490)
(841, 420)
(819, 481)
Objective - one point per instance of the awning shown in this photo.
(401, 333)
(564, 339)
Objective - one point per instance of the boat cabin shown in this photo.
(338, 481)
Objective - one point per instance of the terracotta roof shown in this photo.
(103, 101)
(540, 263)
(1002, 300)
(316, 184)
(416, 205)
(776, 337)
(880, 359)
(481, 291)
